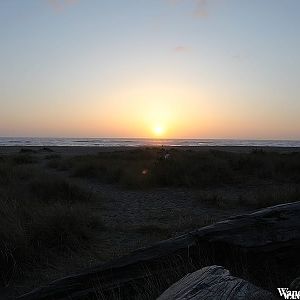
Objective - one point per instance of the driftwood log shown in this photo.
(262, 247)
(214, 282)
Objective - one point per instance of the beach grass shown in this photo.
(260, 197)
(195, 169)
(42, 217)
(51, 217)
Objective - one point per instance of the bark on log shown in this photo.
(214, 282)
(260, 246)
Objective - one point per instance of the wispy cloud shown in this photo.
(241, 57)
(60, 5)
(181, 49)
(201, 10)
(200, 7)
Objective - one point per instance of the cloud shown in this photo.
(241, 57)
(181, 49)
(200, 7)
(201, 10)
(236, 56)
(60, 5)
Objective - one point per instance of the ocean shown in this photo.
(136, 142)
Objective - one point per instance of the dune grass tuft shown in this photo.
(41, 218)
(197, 169)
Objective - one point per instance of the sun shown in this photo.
(158, 130)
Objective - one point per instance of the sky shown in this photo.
(159, 68)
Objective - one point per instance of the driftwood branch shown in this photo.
(216, 283)
(262, 247)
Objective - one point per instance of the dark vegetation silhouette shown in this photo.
(47, 210)
(277, 173)
(41, 217)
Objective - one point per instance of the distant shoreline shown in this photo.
(149, 142)
(83, 150)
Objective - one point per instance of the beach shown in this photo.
(147, 146)
(83, 150)
(132, 197)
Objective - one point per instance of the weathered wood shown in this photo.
(214, 282)
(261, 246)
(295, 284)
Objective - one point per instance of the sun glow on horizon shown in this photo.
(158, 130)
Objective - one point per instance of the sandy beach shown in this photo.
(134, 211)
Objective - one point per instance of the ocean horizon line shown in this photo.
(136, 142)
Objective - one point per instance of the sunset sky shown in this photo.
(146, 68)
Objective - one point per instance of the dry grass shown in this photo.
(46, 218)
(183, 224)
(254, 199)
(271, 196)
(145, 167)
(42, 217)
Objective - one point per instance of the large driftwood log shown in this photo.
(216, 283)
(262, 247)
